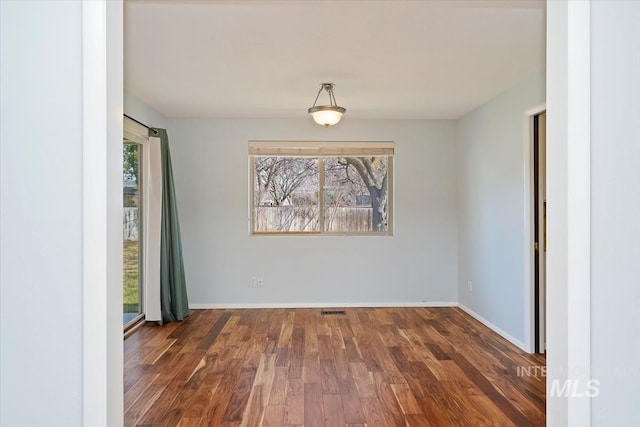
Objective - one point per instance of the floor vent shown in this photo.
(331, 312)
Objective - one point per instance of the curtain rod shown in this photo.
(155, 132)
(137, 121)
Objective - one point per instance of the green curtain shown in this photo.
(173, 289)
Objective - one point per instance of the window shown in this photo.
(132, 267)
(321, 188)
(142, 209)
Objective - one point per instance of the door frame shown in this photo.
(142, 235)
(151, 191)
(529, 218)
(102, 105)
(568, 66)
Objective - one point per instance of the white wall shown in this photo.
(41, 222)
(491, 181)
(615, 139)
(138, 110)
(418, 263)
(61, 247)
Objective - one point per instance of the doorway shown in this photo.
(539, 215)
(132, 229)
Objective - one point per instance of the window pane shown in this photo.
(286, 194)
(131, 232)
(355, 194)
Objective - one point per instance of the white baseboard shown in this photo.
(323, 305)
(494, 328)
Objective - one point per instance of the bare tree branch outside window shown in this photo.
(356, 187)
(288, 190)
(286, 194)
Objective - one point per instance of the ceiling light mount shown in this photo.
(327, 115)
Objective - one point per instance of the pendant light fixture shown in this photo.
(326, 115)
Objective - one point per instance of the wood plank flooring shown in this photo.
(294, 367)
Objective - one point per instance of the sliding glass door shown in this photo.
(132, 288)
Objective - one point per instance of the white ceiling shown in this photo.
(388, 59)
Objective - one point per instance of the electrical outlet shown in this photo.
(470, 286)
(260, 281)
(253, 282)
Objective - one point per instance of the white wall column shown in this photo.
(568, 192)
(102, 65)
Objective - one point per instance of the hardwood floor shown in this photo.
(294, 367)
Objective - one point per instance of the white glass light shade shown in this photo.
(326, 115)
